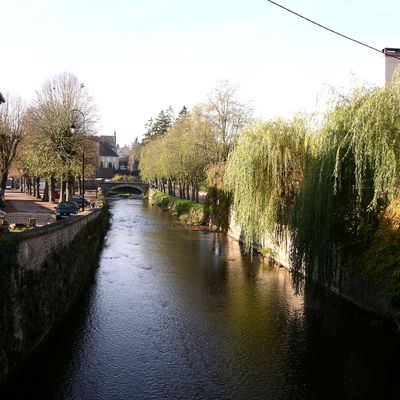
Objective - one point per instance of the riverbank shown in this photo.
(187, 212)
(351, 287)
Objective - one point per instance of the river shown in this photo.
(178, 314)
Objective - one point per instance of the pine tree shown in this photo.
(157, 127)
(183, 113)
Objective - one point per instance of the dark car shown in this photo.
(66, 209)
(79, 200)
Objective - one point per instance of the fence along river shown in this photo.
(179, 314)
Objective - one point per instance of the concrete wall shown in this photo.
(42, 272)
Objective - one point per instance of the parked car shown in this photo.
(66, 209)
(78, 200)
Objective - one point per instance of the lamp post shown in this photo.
(73, 129)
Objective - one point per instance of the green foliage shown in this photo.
(158, 127)
(264, 172)
(351, 174)
(218, 201)
(267, 252)
(182, 154)
(117, 178)
(186, 211)
(380, 262)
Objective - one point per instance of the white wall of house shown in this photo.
(107, 161)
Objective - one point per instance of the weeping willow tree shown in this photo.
(218, 201)
(351, 175)
(263, 173)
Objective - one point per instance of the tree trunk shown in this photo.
(170, 193)
(62, 189)
(187, 191)
(46, 191)
(3, 182)
(38, 187)
(52, 189)
(29, 185)
(34, 187)
(69, 190)
(180, 189)
(193, 197)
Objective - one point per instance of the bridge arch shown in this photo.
(107, 187)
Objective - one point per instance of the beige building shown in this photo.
(392, 60)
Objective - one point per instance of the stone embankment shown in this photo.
(42, 272)
(351, 287)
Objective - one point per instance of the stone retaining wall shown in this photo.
(42, 272)
(350, 287)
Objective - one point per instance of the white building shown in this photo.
(108, 156)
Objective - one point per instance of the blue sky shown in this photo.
(137, 57)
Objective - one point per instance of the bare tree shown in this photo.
(12, 122)
(134, 155)
(227, 115)
(52, 113)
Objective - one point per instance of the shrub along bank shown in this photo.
(187, 212)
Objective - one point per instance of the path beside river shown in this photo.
(15, 201)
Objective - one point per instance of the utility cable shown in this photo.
(331, 30)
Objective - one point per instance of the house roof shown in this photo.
(106, 150)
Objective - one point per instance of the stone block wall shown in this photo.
(42, 272)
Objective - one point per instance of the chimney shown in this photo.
(392, 60)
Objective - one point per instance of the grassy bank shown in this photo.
(187, 212)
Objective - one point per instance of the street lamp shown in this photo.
(73, 130)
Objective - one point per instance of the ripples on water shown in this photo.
(179, 314)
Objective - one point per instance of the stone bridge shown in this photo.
(107, 187)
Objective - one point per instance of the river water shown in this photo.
(177, 314)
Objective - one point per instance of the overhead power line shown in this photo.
(331, 30)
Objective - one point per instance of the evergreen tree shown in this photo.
(183, 113)
(157, 127)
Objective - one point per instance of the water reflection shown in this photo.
(180, 314)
